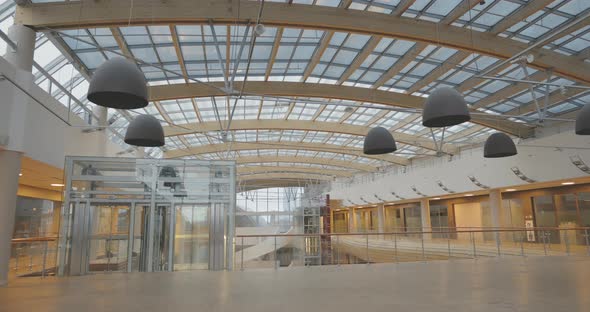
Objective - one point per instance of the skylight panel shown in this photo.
(574, 7)
(160, 34)
(189, 33)
(91, 60)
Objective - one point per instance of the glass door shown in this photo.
(546, 216)
(191, 238)
(108, 237)
(137, 235)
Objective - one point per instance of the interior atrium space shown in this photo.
(281, 155)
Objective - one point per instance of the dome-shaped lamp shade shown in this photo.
(583, 121)
(118, 83)
(379, 141)
(445, 107)
(145, 130)
(499, 145)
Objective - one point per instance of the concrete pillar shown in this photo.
(351, 220)
(140, 152)
(103, 114)
(22, 56)
(381, 219)
(9, 170)
(13, 109)
(425, 217)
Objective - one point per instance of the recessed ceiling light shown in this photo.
(57, 184)
(20, 174)
(436, 198)
(568, 183)
(510, 190)
(468, 195)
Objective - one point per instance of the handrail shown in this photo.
(487, 230)
(33, 240)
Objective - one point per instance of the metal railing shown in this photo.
(33, 257)
(288, 250)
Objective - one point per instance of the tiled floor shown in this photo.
(510, 284)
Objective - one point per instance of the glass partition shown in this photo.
(546, 216)
(439, 219)
(412, 218)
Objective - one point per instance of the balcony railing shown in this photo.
(287, 250)
(35, 256)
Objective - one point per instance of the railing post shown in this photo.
(17, 256)
(544, 242)
(498, 242)
(587, 240)
(338, 250)
(567, 244)
(44, 260)
(276, 264)
(449, 243)
(395, 247)
(473, 243)
(423, 254)
(368, 260)
(242, 256)
(522, 236)
(30, 260)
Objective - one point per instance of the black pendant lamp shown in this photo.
(145, 130)
(583, 121)
(118, 83)
(379, 141)
(445, 107)
(499, 145)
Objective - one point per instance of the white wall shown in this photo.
(538, 163)
(33, 130)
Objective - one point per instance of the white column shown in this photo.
(381, 219)
(425, 214)
(22, 56)
(103, 114)
(13, 109)
(351, 220)
(140, 152)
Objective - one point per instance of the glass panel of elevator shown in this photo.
(147, 215)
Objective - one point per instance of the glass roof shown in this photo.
(209, 53)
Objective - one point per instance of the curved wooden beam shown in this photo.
(304, 125)
(249, 170)
(106, 13)
(294, 177)
(306, 160)
(315, 90)
(318, 147)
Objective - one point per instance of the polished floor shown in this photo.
(501, 284)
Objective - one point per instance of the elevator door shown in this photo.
(108, 237)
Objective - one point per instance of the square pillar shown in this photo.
(425, 217)
(381, 219)
(351, 220)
